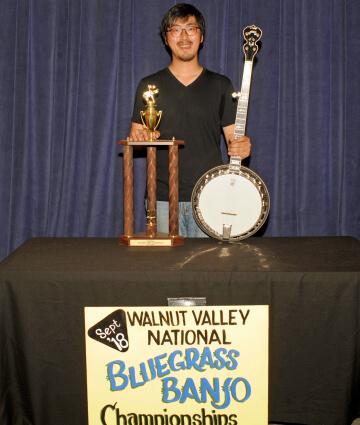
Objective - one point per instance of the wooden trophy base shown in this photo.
(159, 239)
(151, 237)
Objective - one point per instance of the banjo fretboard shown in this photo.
(243, 101)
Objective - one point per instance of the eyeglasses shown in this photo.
(177, 30)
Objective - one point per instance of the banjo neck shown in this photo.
(243, 101)
(252, 35)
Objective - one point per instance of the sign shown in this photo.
(177, 365)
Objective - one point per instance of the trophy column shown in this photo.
(151, 192)
(128, 191)
(173, 190)
(151, 237)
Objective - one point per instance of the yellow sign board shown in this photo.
(177, 365)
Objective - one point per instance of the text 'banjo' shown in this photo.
(231, 202)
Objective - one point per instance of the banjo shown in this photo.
(231, 202)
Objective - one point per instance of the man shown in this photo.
(197, 105)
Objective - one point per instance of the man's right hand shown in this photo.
(138, 133)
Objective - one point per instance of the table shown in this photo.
(311, 284)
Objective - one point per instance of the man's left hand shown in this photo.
(239, 147)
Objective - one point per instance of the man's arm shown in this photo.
(236, 147)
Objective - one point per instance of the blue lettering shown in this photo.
(213, 390)
(219, 363)
(206, 358)
(234, 389)
(170, 386)
(175, 366)
(133, 382)
(232, 363)
(226, 401)
(113, 374)
(192, 356)
(189, 391)
(162, 368)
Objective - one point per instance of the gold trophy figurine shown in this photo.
(151, 117)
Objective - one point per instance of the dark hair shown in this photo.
(181, 11)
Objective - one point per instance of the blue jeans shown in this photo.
(187, 225)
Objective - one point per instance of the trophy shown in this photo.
(151, 119)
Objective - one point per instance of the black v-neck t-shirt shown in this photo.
(194, 113)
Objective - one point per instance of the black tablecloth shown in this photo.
(311, 284)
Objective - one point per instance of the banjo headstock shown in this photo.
(252, 35)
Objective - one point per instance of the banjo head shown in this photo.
(230, 206)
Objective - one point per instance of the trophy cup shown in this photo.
(151, 119)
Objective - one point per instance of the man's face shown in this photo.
(184, 46)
